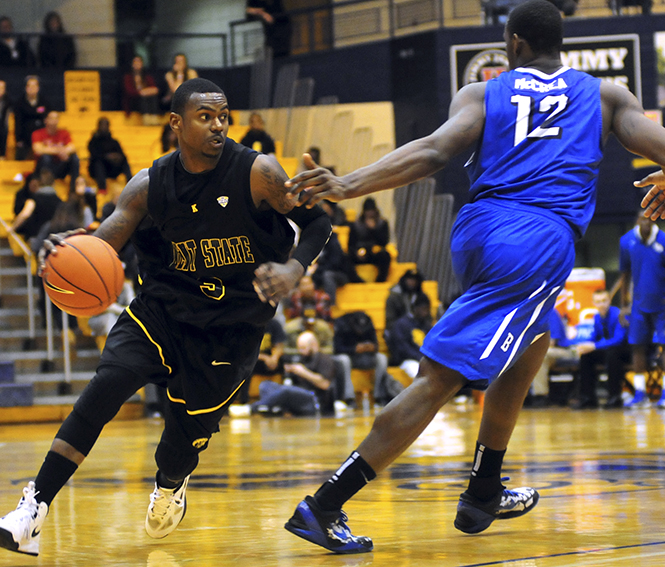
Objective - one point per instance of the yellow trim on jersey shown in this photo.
(147, 334)
(206, 410)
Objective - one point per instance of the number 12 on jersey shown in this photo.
(552, 105)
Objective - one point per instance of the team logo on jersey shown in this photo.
(223, 200)
(485, 65)
(213, 289)
(198, 443)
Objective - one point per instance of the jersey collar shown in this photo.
(542, 75)
(652, 236)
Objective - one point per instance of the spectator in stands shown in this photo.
(169, 140)
(270, 361)
(307, 297)
(87, 197)
(355, 336)
(401, 297)
(331, 269)
(558, 352)
(335, 212)
(642, 261)
(56, 48)
(308, 387)
(176, 76)
(107, 160)
(30, 186)
(14, 51)
(54, 149)
(29, 113)
(609, 348)
(101, 324)
(257, 138)
(407, 334)
(140, 92)
(5, 111)
(39, 207)
(368, 237)
(276, 24)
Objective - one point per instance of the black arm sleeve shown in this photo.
(316, 230)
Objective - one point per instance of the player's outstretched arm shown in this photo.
(131, 209)
(409, 163)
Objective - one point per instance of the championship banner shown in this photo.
(614, 58)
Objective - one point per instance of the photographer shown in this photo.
(307, 387)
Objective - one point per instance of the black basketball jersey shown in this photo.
(198, 259)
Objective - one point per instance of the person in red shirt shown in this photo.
(54, 149)
(307, 298)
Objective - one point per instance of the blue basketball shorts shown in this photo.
(646, 328)
(511, 262)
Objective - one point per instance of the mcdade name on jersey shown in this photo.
(523, 84)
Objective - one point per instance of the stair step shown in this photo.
(68, 400)
(13, 356)
(53, 377)
(12, 395)
(14, 271)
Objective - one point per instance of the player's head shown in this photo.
(601, 301)
(199, 117)
(538, 23)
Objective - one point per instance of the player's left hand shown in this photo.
(654, 200)
(273, 281)
(49, 246)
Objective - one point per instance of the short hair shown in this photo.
(188, 88)
(599, 291)
(539, 23)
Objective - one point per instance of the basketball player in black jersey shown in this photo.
(209, 225)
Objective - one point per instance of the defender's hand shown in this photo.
(654, 200)
(316, 184)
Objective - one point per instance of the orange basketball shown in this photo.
(84, 277)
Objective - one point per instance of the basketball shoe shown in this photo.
(20, 530)
(474, 516)
(326, 529)
(640, 400)
(167, 509)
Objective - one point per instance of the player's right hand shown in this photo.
(49, 246)
(654, 200)
(315, 184)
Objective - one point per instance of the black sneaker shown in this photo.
(326, 529)
(474, 516)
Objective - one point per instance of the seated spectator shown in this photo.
(30, 186)
(176, 76)
(257, 138)
(56, 48)
(5, 111)
(54, 150)
(608, 347)
(335, 212)
(308, 387)
(140, 93)
(39, 207)
(270, 360)
(401, 296)
(87, 198)
(558, 351)
(14, 51)
(29, 113)
(306, 297)
(331, 269)
(368, 237)
(407, 334)
(107, 160)
(355, 336)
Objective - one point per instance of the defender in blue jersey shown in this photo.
(642, 260)
(538, 132)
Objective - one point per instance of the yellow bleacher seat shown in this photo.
(342, 233)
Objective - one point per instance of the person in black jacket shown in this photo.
(30, 112)
(106, 156)
(407, 334)
(5, 110)
(257, 138)
(368, 237)
(56, 48)
(14, 51)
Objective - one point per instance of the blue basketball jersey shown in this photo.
(542, 143)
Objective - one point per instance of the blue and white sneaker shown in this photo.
(640, 400)
(474, 516)
(327, 529)
(660, 404)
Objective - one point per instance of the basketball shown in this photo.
(84, 277)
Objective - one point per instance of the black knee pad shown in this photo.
(175, 464)
(79, 433)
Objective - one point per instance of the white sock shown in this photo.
(640, 382)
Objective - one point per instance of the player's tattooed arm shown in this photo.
(131, 209)
(267, 183)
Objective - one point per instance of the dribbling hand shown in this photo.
(50, 246)
(654, 200)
